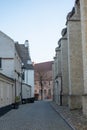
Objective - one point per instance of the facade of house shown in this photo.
(43, 80)
(7, 93)
(16, 72)
(10, 72)
(27, 70)
(10, 61)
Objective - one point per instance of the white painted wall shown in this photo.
(8, 67)
(29, 79)
(7, 92)
(26, 91)
(6, 46)
(7, 54)
(10, 60)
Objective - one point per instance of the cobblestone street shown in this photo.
(37, 116)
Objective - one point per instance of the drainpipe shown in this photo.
(22, 70)
(61, 92)
(21, 88)
(15, 89)
(61, 89)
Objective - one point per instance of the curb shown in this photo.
(70, 125)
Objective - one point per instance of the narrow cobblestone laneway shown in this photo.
(36, 116)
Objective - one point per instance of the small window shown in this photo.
(35, 91)
(45, 91)
(40, 92)
(23, 76)
(0, 62)
(44, 82)
(49, 82)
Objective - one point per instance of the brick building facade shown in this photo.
(43, 80)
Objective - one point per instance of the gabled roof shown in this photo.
(43, 70)
(5, 35)
(44, 66)
(24, 54)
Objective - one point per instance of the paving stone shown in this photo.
(75, 118)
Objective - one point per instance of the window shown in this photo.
(49, 82)
(23, 76)
(35, 91)
(40, 92)
(45, 92)
(44, 82)
(0, 62)
(49, 92)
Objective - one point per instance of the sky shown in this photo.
(39, 21)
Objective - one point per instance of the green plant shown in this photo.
(17, 99)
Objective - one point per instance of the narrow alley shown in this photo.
(35, 116)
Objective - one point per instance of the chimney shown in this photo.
(26, 43)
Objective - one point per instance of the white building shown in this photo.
(15, 62)
(7, 93)
(10, 66)
(27, 70)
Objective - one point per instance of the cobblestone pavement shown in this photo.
(36, 116)
(74, 118)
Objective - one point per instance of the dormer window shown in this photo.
(29, 62)
(22, 64)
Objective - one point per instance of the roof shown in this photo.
(43, 70)
(44, 66)
(5, 35)
(24, 54)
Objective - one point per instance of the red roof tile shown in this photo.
(44, 66)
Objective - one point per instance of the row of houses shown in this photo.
(70, 61)
(16, 72)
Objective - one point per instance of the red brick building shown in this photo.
(43, 80)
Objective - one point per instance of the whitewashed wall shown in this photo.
(7, 54)
(11, 62)
(29, 79)
(7, 91)
(17, 69)
(26, 91)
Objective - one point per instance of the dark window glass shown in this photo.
(23, 76)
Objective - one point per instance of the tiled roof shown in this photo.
(24, 54)
(43, 70)
(44, 66)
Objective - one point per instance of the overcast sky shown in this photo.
(39, 21)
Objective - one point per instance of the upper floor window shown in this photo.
(23, 76)
(29, 62)
(35, 91)
(49, 82)
(0, 62)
